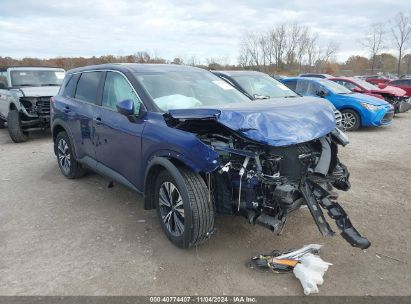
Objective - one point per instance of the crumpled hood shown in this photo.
(398, 92)
(275, 122)
(38, 91)
(363, 98)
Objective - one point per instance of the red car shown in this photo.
(404, 84)
(376, 79)
(394, 95)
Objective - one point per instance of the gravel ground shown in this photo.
(79, 237)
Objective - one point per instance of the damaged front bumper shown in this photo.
(267, 186)
(35, 112)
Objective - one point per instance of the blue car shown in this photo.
(193, 146)
(257, 86)
(358, 110)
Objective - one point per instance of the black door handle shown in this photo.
(97, 120)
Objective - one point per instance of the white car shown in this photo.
(25, 94)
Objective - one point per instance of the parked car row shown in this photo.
(196, 142)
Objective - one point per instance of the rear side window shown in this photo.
(87, 86)
(69, 86)
(401, 82)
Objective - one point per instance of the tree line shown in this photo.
(283, 49)
(295, 48)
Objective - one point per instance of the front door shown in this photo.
(118, 140)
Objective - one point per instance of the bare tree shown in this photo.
(326, 54)
(278, 37)
(293, 37)
(401, 33)
(290, 46)
(312, 50)
(251, 49)
(373, 42)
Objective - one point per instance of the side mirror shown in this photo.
(321, 93)
(125, 107)
(357, 90)
(381, 85)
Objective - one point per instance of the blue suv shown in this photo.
(357, 110)
(193, 146)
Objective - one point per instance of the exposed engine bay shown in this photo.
(35, 110)
(400, 104)
(266, 183)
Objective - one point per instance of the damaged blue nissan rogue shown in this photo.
(194, 146)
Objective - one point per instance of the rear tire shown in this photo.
(66, 160)
(350, 120)
(14, 126)
(2, 122)
(183, 206)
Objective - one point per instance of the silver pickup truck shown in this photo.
(25, 98)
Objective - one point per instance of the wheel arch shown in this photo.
(12, 106)
(58, 126)
(154, 167)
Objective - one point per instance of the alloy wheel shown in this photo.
(171, 208)
(348, 120)
(64, 156)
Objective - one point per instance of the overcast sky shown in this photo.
(171, 28)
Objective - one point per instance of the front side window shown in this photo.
(117, 88)
(348, 85)
(302, 87)
(264, 86)
(314, 88)
(36, 78)
(87, 86)
(188, 89)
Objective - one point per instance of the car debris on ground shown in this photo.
(305, 263)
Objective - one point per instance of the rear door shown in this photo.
(118, 140)
(79, 111)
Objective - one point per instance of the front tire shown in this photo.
(185, 211)
(65, 157)
(14, 126)
(350, 120)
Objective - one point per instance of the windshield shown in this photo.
(334, 87)
(188, 89)
(364, 84)
(36, 78)
(264, 86)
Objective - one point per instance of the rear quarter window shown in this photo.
(88, 86)
(68, 88)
